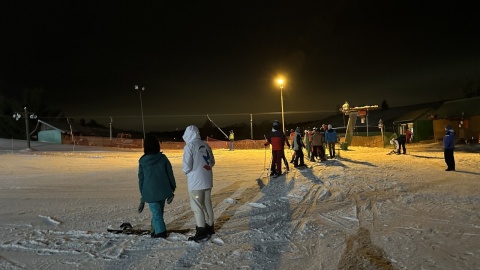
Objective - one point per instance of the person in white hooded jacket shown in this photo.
(198, 161)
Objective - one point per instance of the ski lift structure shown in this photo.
(353, 113)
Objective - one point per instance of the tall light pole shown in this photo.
(111, 120)
(280, 82)
(32, 116)
(140, 90)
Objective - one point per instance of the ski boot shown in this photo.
(159, 235)
(200, 234)
(210, 229)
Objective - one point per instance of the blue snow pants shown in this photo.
(157, 216)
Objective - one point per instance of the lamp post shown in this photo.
(140, 90)
(280, 82)
(111, 120)
(32, 116)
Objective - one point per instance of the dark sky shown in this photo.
(222, 58)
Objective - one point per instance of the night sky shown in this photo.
(222, 58)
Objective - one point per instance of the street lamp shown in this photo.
(140, 90)
(32, 116)
(280, 82)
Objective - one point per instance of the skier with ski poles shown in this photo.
(277, 140)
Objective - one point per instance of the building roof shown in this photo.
(51, 126)
(64, 126)
(459, 108)
(419, 114)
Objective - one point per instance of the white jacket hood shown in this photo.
(191, 133)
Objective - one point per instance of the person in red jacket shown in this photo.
(277, 140)
(408, 135)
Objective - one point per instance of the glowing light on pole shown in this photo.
(280, 82)
(141, 107)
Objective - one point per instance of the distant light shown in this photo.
(280, 81)
(17, 116)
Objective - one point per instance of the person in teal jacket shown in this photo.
(156, 182)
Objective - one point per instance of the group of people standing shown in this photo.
(312, 140)
(157, 182)
(317, 140)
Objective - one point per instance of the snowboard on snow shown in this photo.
(393, 152)
(127, 228)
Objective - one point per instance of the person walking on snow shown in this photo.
(298, 146)
(197, 164)
(449, 147)
(292, 136)
(231, 138)
(287, 135)
(331, 138)
(277, 140)
(156, 183)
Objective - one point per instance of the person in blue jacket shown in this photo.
(156, 182)
(331, 138)
(448, 147)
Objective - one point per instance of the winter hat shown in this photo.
(448, 126)
(329, 126)
(276, 125)
(151, 145)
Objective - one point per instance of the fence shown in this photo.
(137, 143)
(103, 141)
(370, 141)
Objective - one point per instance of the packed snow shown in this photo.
(363, 210)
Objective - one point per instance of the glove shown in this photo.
(141, 206)
(169, 200)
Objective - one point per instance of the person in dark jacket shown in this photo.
(298, 146)
(399, 143)
(291, 138)
(277, 140)
(448, 147)
(287, 135)
(156, 183)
